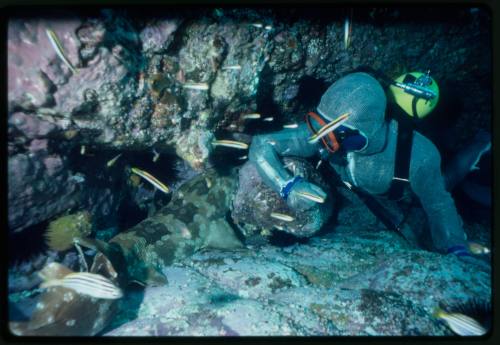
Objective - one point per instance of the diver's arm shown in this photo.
(428, 184)
(265, 149)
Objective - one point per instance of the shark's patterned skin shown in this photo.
(195, 218)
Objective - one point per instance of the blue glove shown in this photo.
(466, 256)
(290, 193)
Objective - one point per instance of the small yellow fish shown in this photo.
(195, 86)
(268, 119)
(56, 43)
(312, 197)
(460, 324)
(151, 179)
(230, 143)
(478, 249)
(90, 284)
(329, 127)
(283, 217)
(113, 161)
(251, 116)
(291, 125)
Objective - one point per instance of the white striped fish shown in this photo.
(460, 324)
(151, 179)
(281, 216)
(312, 197)
(56, 43)
(251, 116)
(233, 67)
(113, 161)
(347, 33)
(478, 249)
(230, 143)
(329, 127)
(268, 119)
(90, 284)
(195, 86)
(291, 125)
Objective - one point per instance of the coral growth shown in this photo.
(63, 230)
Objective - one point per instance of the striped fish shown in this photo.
(478, 249)
(347, 33)
(329, 127)
(56, 43)
(460, 324)
(312, 197)
(268, 119)
(251, 116)
(151, 179)
(291, 125)
(233, 67)
(281, 216)
(195, 86)
(90, 284)
(230, 143)
(111, 162)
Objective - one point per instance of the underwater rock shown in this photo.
(274, 66)
(39, 188)
(34, 67)
(415, 273)
(158, 34)
(217, 292)
(255, 201)
(235, 271)
(31, 126)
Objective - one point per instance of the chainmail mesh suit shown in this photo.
(371, 168)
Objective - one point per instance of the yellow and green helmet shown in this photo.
(416, 93)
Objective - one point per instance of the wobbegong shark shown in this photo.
(194, 219)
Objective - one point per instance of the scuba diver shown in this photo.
(381, 154)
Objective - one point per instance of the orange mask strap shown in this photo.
(330, 141)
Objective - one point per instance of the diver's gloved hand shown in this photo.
(300, 194)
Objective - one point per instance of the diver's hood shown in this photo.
(362, 96)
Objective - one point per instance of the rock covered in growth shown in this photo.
(39, 188)
(255, 201)
(34, 68)
(246, 60)
(351, 282)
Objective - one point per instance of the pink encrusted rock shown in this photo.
(105, 78)
(33, 65)
(39, 188)
(157, 35)
(53, 164)
(38, 146)
(30, 125)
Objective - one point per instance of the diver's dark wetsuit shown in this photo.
(370, 168)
